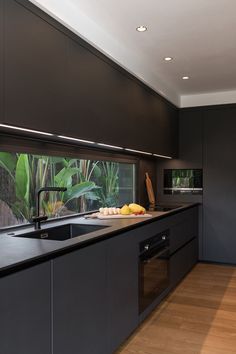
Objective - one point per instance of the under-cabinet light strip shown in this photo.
(75, 139)
(111, 146)
(82, 140)
(163, 156)
(25, 129)
(139, 151)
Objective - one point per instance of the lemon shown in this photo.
(125, 210)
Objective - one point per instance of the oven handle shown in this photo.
(148, 260)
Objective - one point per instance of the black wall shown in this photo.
(54, 81)
(208, 141)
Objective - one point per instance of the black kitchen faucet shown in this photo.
(38, 218)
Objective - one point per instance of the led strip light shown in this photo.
(83, 141)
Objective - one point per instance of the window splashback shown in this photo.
(183, 181)
(90, 184)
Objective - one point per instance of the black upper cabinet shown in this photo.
(56, 82)
(107, 106)
(35, 65)
(191, 138)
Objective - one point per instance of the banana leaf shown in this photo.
(22, 178)
(8, 162)
(64, 177)
(78, 190)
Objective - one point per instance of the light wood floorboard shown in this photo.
(199, 317)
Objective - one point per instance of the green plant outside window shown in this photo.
(90, 185)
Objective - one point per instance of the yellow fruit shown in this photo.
(137, 209)
(125, 210)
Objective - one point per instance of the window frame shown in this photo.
(32, 145)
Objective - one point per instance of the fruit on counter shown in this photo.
(125, 210)
(109, 211)
(137, 209)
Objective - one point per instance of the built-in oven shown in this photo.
(153, 268)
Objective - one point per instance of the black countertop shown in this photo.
(19, 252)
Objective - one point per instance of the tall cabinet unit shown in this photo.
(219, 197)
(2, 14)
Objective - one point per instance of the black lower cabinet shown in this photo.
(25, 323)
(86, 301)
(80, 317)
(182, 261)
(122, 288)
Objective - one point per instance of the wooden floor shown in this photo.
(198, 317)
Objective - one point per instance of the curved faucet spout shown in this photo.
(38, 219)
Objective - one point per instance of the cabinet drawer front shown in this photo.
(182, 262)
(184, 231)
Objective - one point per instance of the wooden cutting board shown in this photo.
(118, 216)
(151, 196)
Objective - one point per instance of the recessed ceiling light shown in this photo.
(168, 58)
(141, 28)
(185, 77)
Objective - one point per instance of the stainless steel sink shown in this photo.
(61, 232)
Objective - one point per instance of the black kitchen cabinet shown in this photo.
(183, 244)
(219, 198)
(122, 288)
(34, 70)
(184, 229)
(25, 311)
(80, 309)
(182, 261)
(56, 82)
(1, 59)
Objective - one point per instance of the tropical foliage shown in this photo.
(90, 184)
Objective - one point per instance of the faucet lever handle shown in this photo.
(39, 218)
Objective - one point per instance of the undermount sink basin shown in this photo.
(61, 232)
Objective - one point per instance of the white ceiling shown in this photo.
(198, 34)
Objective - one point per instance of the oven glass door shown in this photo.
(153, 276)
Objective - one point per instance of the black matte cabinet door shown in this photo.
(25, 311)
(123, 288)
(102, 102)
(219, 198)
(80, 301)
(35, 64)
(2, 13)
(183, 261)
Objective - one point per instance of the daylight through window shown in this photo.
(90, 185)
